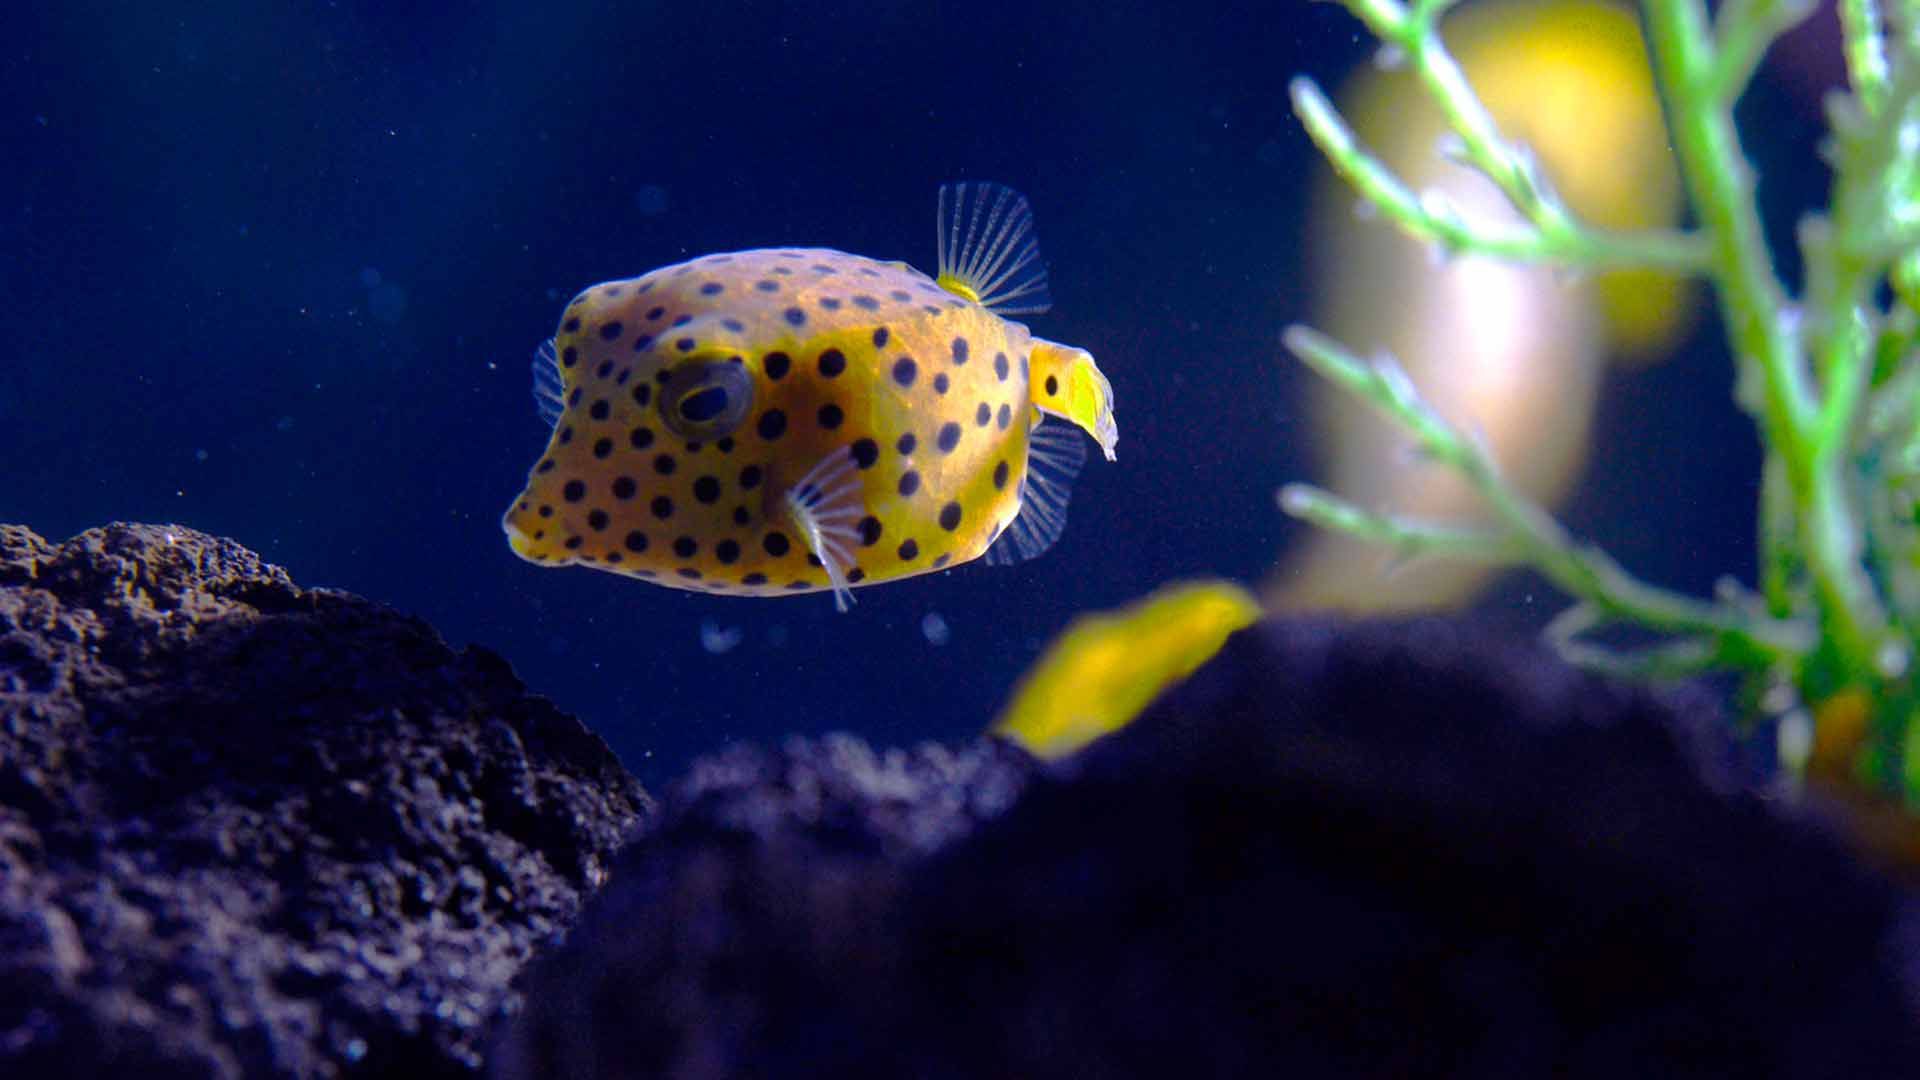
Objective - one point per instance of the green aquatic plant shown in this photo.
(1830, 376)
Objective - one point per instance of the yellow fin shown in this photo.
(1106, 667)
(1067, 383)
(988, 253)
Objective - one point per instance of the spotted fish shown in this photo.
(791, 420)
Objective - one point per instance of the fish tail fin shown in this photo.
(988, 252)
(1066, 382)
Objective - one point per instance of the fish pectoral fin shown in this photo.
(1066, 382)
(988, 253)
(1054, 457)
(549, 389)
(824, 505)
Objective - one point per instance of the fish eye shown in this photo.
(706, 397)
(703, 404)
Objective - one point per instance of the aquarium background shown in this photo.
(276, 271)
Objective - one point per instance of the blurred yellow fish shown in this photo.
(1106, 667)
(788, 420)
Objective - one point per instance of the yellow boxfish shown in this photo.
(788, 420)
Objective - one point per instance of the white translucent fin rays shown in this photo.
(825, 505)
(987, 246)
(549, 392)
(1055, 454)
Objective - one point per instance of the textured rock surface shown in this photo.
(252, 829)
(1338, 850)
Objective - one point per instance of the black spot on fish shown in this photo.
(950, 516)
(566, 435)
(640, 438)
(724, 444)
(685, 547)
(880, 337)
(775, 364)
(959, 351)
(754, 579)
(832, 363)
(909, 550)
(869, 531)
(949, 437)
(662, 507)
(611, 331)
(795, 316)
(642, 394)
(865, 453)
(941, 559)
(712, 288)
(740, 515)
(983, 415)
(773, 424)
(1006, 417)
(569, 357)
(900, 295)
(689, 573)
(605, 369)
(940, 383)
(597, 520)
(866, 303)
(571, 326)
(574, 491)
(750, 478)
(767, 286)
(856, 575)
(734, 325)
(636, 541)
(545, 466)
(664, 464)
(906, 443)
(909, 482)
(603, 448)
(905, 371)
(707, 489)
(574, 542)
(727, 551)
(829, 303)
(1053, 386)
(681, 320)
(830, 416)
(1000, 366)
(624, 487)
(600, 409)
(776, 544)
(685, 344)
(653, 314)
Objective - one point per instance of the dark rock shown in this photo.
(252, 829)
(1340, 849)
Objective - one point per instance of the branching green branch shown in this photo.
(1831, 378)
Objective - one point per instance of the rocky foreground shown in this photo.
(250, 829)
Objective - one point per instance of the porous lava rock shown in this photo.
(1375, 849)
(252, 829)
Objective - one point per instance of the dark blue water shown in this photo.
(275, 271)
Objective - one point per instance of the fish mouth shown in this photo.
(519, 527)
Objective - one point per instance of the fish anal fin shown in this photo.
(1077, 392)
(987, 249)
(824, 506)
(1055, 455)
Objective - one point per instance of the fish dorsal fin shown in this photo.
(549, 391)
(824, 506)
(1065, 381)
(1054, 457)
(988, 252)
